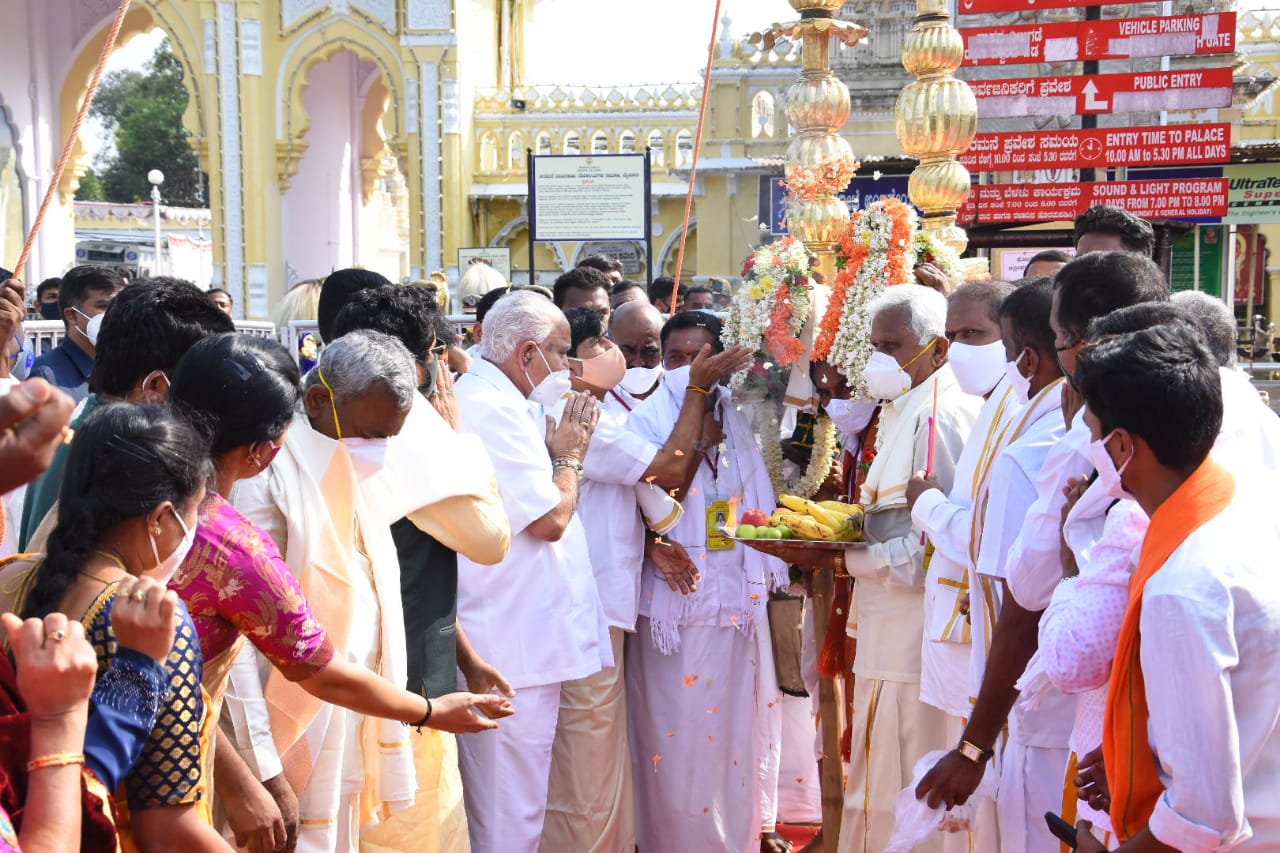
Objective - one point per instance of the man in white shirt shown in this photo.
(1192, 735)
(977, 356)
(536, 616)
(590, 803)
(1088, 287)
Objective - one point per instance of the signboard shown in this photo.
(1183, 265)
(498, 258)
(589, 197)
(1168, 198)
(984, 7)
(1104, 93)
(1114, 38)
(626, 254)
(861, 192)
(1254, 194)
(1082, 149)
(1012, 263)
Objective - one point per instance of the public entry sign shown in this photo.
(1082, 149)
(1171, 198)
(1113, 38)
(1104, 93)
(589, 197)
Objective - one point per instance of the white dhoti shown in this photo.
(590, 804)
(695, 739)
(505, 774)
(984, 833)
(437, 821)
(1031, 783)
(892, 730)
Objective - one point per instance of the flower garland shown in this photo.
(771, 305)
(821, 459)
(930, 250)
(765, 424)
(829, 177)
(878, 250)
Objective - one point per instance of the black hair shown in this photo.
(488, 301)
(694, 320)
(150, 326)
(1145, 315)
(53, 283)
(993, 292)
(579, 278)
(78, 281)
(336, 292)
(603, 263)
(126, 460)
(1135, 233)
(1028, 308)
(1100, 282)
(625, 285)
(402, 311)
(1161, 383)
(584, 324)
(236, 389)
(697, 288)
(1053, 256)
(446, 333)
(661, 288)
(225, 293)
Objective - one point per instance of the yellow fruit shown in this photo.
(793, 503)
(807, 528)
(850, 530)
(840, 507)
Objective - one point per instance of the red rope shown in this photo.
(697, 147)
(72, 137)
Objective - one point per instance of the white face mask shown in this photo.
(553, 388)
(1021, 384)
(850, 416)
(885, 378)
(368, 455)
(91, 328)
(640, 380)
(977, 368)
(1108, 474)
(166, 568)
(678, 380)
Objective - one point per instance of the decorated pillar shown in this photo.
(937, 118)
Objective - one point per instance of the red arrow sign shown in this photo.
(1181, 198)
(1104, 93)
(1114, 38)
(1082, 149)
(982, 7)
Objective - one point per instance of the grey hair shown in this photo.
(358, 361)
(517, 318)
(1215, 319)
(926, 307)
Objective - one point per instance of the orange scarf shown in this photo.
(1130, 761)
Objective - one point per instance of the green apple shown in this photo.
(784, 532)
(768, 533)
(747, 531)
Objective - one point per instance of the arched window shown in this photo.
(489, 152)
(599, 142)
(657, 149)
(627, 142)
(516, 152)
(542, 146)
(762, 115)
(684, 149)
(571, 144)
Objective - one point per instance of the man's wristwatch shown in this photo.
(974, 753)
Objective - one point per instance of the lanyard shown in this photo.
(620, 400)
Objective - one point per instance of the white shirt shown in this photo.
(616, 460)
(946, 520)
(1010, 490)
(1210, 650)
(536, 615)
(1249, 443)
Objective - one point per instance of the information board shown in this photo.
(1166, 198)
(1082, 149)
(576, 197)
(497, 257)
(1183, 266)
(1113, 38)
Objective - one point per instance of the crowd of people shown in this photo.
(422, 597)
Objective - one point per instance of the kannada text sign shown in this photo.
(1113, 38)
(1104, 93)
(1082, 149)
(1166, 198)
(589, 197)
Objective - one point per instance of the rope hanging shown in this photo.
(697, 148)
(58, 171)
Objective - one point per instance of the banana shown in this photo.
(794, 503)
(819, 513)
(840, 507)
(806, 527)
(850, 530)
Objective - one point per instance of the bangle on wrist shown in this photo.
(973, 752)
(567, 462)
(57, 759)
(698, 389)
(425, 717)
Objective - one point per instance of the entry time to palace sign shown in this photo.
(1083, 149)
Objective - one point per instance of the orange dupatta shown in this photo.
(1129, 760)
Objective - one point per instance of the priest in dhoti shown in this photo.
(704, 707)
(892, 728)
(323, 503)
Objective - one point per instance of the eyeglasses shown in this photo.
(1075, 342)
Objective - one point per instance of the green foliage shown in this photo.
(91, 188)
(143, 109)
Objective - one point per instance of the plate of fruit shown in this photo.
(822, 525)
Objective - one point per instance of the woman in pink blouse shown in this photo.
(244, 392)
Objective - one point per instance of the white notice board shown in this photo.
(588, 197)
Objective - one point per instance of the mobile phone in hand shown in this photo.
(1062, 830)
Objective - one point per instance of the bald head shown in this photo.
(636, 329)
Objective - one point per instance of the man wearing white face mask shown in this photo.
(83, 298)
(536, 616)
(636, 330)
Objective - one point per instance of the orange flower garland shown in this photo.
(853, 254)
(782, 344)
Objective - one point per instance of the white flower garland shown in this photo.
(782, 262)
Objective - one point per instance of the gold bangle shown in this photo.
(698, 389)
(57, 759)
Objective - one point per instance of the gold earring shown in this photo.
(157, 530)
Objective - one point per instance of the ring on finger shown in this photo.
(138, 595)
(57, 636)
